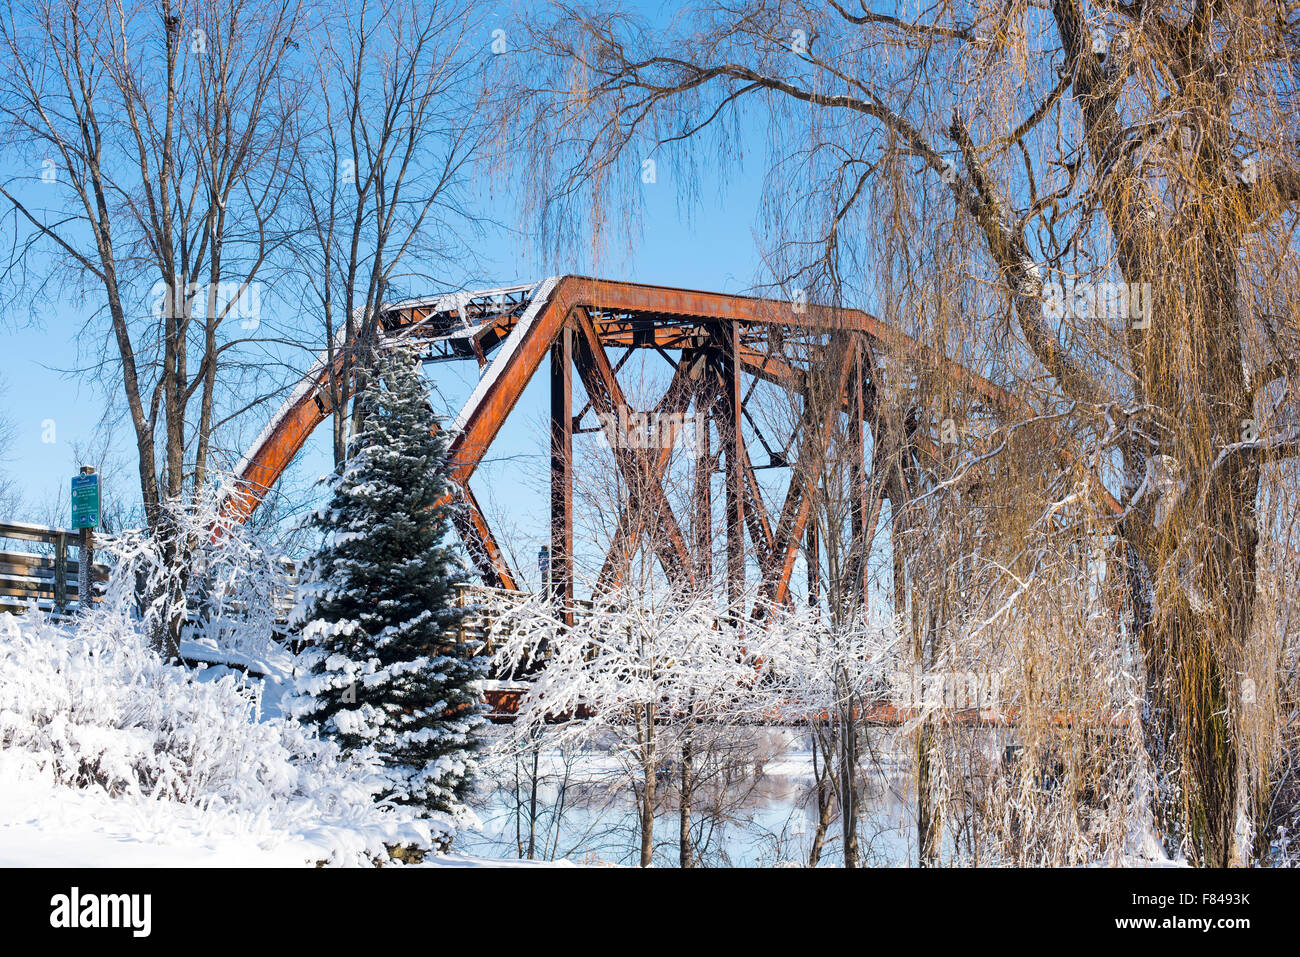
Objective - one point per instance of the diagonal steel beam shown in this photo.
(481, 545)
(798, 499)
(645, 492)
(731, 437)
(760, 525)
(674, 402)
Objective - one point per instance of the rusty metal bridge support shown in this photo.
(562, 470)
(720, 348)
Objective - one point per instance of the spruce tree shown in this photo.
(378, 601)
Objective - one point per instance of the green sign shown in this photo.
(85, 501)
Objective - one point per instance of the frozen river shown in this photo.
(761, 812)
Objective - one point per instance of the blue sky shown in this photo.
(713, 248)
(705, 244)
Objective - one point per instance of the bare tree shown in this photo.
(395, 98)
(163, 136)
(647, 668)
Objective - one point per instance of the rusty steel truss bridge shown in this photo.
(719, 347)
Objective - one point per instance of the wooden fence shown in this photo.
(48, 577)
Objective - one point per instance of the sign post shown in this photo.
(85, 518)
(544, 567)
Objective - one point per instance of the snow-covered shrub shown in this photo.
(96, 708)
(217, 576)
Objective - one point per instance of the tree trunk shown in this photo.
(848, 761)
(928, 826)
(825, 805)
(169, 593)
(1188, 730)
(648, 772)
(532, 803)
(686, 851)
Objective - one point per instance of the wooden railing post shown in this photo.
(61, 572)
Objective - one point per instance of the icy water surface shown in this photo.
(585, 811)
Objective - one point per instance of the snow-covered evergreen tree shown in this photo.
(378, 600)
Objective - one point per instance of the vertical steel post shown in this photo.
(732, 439)
(705, 386)
(812, 554)
(86, 560)
(562, 471)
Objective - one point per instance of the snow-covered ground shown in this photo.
(47, 825)
(109, 757)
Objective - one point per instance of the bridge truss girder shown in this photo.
(574, 322)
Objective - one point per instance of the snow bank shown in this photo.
(95, 725)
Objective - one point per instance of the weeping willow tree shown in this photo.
(1091, 204)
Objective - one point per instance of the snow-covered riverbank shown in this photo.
(109, 757)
